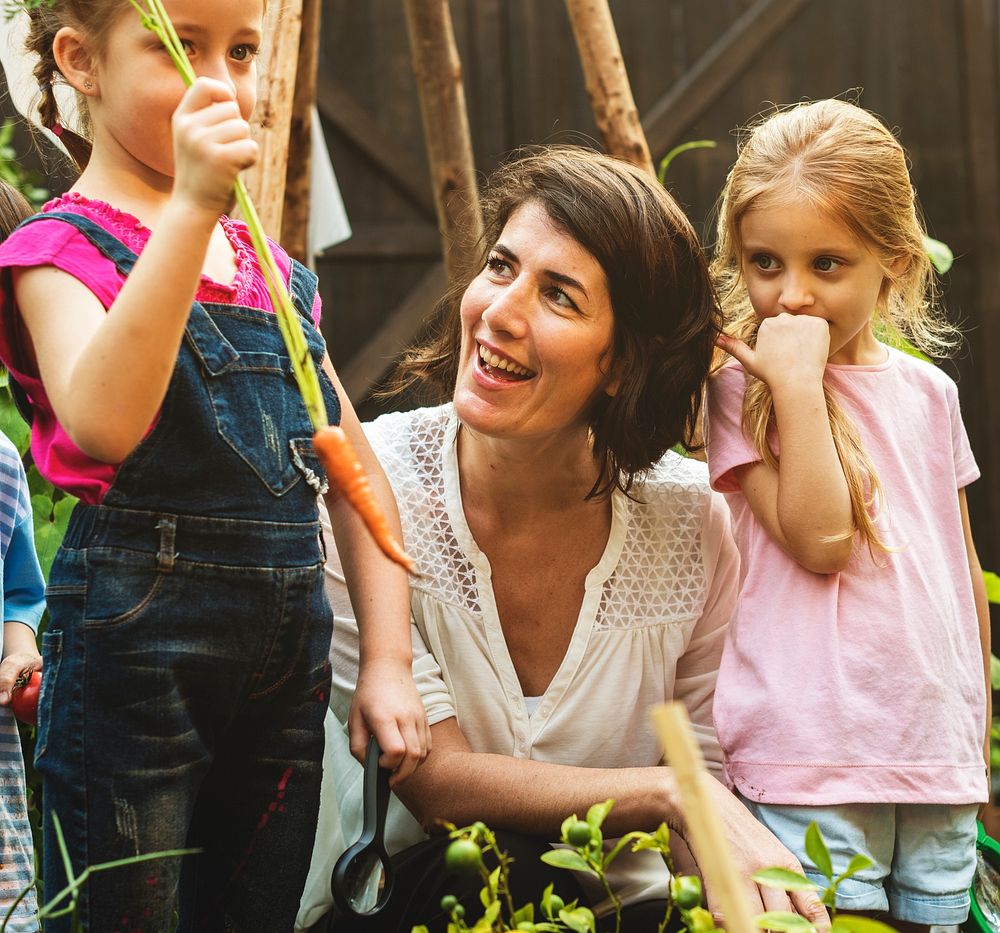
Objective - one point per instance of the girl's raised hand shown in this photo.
(790, 348)
(212, 145)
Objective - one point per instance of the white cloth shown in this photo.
(651, 628)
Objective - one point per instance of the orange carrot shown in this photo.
(336, 453)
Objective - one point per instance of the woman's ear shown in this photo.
(75, 60)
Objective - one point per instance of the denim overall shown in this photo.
(186, 673)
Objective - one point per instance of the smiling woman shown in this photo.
(574, 571)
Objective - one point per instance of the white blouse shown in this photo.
(650, 629)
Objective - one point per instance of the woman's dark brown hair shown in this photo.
(665, 314)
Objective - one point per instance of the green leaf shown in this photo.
(12, 424)
(566, 823)
(527, 912)
(785, 921)
(852, 923)
(816, 850)
(858, 863)
(492, 912)
(992, 586)
(420, 929)
(784, 879)
(939, 253)
(598, 813)
(566, 858)
(580, 919)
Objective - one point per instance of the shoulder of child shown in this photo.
(921, 371)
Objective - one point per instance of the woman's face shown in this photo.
(537, 329)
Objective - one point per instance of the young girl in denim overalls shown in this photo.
(185, 664)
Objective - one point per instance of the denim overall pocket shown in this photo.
(258, 411)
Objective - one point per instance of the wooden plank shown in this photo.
(295, 219)
(711, 848)
(373, 360)
(446, 132)
(607, 83)
(705, 81)
(342, 109)
(389, 241)
(981, 35)
(276, 68)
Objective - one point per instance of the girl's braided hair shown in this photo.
(93, 17)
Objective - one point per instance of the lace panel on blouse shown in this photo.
(659, 578)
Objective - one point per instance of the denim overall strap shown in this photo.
(233, 438)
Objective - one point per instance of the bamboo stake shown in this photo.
(276, 69)
(446, 131)
(607, 82)
(295, 219)
(711, 849)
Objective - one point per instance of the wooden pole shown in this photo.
(711, 849)
(446, 131)
(607, 82)
(295, 218)
(276, 70)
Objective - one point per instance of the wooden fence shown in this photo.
(698, 70)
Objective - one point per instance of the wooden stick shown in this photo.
(446, 131)
(295, 218)
(607, 82)
(276, 70)
(711, 848)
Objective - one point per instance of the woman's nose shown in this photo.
(506, 311)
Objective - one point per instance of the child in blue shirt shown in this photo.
(22, 603)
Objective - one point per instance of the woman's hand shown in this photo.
(790, 347)
(755, 847)
(386, 704)
(16, 664)
(212, 145)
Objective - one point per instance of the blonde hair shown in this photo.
(843, 161)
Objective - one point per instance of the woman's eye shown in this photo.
(498, 264)
(560, 298)
(827, 263)
(188, 47)
(764, 262)
(244, 53)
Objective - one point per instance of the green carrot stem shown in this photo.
(155, 18)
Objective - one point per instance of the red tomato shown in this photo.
(24, 700)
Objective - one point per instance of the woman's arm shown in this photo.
(385, 701)
(461, 786)
(804, 505)
(106, 373)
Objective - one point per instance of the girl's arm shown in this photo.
(804, 505)
(983, 615)
(386, 701)
(534, 797)
(106, 373)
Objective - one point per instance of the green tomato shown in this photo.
(448, 903)
(579, 834)
(459, 912)
(463, 856)
(686, 891)
(556, 903)
(699, 920)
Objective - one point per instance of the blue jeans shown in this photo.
(188, 703)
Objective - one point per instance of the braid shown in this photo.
(45, 21)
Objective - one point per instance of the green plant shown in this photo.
(14, 173)
(57, 906)
(817, 850)
(583, 850)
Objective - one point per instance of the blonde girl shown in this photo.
(186, 673)
(852, 686)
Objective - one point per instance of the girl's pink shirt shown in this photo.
(60, 245)
(864, 686)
